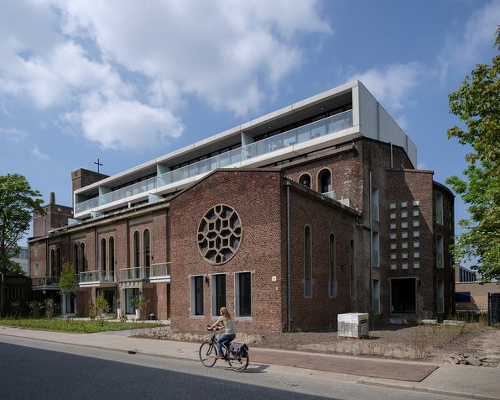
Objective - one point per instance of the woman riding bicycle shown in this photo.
(225, 321)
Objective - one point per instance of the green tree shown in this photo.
(18, 202)
(477, 104)
(67, 281)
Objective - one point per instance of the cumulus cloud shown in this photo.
(124, 75)
(392, 85)
(42, 156)
(463, 50)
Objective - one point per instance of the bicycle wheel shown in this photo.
(239, 363)
(207, 354)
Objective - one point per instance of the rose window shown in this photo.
(219, 234)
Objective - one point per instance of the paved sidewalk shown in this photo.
(453, 380)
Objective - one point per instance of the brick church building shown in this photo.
(288, 220)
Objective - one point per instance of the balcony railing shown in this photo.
(95, 277)
(334, 196)
(283, 140)
(134, 274)
(159, 271)
(45, 282)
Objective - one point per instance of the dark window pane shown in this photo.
(245, 294)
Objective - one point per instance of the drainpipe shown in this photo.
(392, 157)
(371, 238)
(288, 278)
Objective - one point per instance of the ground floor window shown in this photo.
(68, 304)
(376, 296)
(243, 294)
(109, 296)
(440, 297)
(218, 293)
(197, 295)
(403, 295)
(129, 295)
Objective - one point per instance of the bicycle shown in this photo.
(236, 355)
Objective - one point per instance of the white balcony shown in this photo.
(160, 272)
(45, 283)
(135, 274)
(96, 278)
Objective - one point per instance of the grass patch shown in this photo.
(78, 326)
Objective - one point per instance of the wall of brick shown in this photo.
(324, 218)
(257, 198)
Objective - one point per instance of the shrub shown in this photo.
(49, 308)
(35, 308)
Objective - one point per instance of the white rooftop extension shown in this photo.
(332, 117)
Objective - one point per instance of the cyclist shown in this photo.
(225, 321)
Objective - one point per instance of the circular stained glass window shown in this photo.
(219, 234)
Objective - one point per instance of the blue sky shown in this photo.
(130, 81)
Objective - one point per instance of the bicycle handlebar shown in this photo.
(213, 329)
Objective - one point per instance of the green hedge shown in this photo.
(81, 326)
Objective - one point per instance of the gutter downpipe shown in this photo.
(371, 240)
(288, 280)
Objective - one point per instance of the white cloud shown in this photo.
(148, 58)
(13, 134)
(116, 124)
(392, 84)
(461, 51)
(42, 156)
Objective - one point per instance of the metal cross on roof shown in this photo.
(98, 165)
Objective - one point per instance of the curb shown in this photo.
(424, 389)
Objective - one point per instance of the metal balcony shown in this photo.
(134, 274)
(45, 283)
(96, 278)
(160, 272)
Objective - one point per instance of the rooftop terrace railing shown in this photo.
(283, 140)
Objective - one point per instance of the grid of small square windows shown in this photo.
(402, 215)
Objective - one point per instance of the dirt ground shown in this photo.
(426, 343)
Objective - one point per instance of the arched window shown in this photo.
(52, 263)
(305, 180)
(103, 254)
(137, 249)
(352, 268)
(325, 181)
(58, 262)
(307, 262)
(112, 256)
(83, 257)
(76, 260)
(147, 248)
(332, 287)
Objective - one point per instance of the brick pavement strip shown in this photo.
(459, 381)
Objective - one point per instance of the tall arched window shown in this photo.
(112, 256)
(58, 262)
(332, 287)
(52, 271)
(103, 254)
(305, 180)
(83, 257)
(76, 260)
(325, 181)
(137, 249)
(147, 248)
(307, 262)
(352, 268)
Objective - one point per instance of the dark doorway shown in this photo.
(403, 295)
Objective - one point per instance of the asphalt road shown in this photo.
(40, 370)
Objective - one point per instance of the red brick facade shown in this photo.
(274, 211)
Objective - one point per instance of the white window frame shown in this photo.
(192, 290)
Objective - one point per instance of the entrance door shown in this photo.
(403, 299)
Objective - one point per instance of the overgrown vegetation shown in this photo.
(79, 326)
(477, 104)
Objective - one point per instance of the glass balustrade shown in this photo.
(283, 140)
(161, 270)
(95, 276)
(132, 274)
